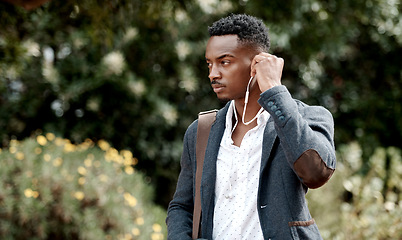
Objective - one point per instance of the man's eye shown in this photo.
(225, 62)
(209, 65)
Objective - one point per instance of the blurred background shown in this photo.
(95, 97)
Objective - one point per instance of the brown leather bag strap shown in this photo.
(205, 121)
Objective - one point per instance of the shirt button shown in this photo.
(270, 103)
(279, 112)
(274, 107)
(281, 118)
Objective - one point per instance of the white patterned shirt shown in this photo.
(237, 180)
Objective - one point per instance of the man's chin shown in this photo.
(223, 99)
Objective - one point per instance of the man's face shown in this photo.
(229, 66)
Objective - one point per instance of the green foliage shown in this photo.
(363, 200)
(53, 189)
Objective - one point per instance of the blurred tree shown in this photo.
(53, 189)
(133, 72)
(81, 69)
(27, 4)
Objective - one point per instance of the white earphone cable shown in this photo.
(245, 105)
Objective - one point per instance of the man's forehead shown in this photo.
(222, 45)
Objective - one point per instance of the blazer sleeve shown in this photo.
(306, 135)
(180, 211)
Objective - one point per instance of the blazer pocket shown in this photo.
(304, 230)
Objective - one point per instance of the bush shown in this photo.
(362, 200)
(53, 189)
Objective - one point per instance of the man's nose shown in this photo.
(214, 73)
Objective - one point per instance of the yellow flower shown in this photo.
(69, 147)
(126, 236)
(47, 157)
(131, 200)
(57, 162)
(14, 143)
(50, 136)
(139, 221)
(82, 170)
(30, 193)
(128, 161)
(113, 155)
(103, 145)
(59, 141)
(13, 149)
(129, 170)
(38, 151)
(81, 180)
(103, 178)
(88, 141)
(35, 194)
(135, 231)
(88, 162)
(41, 140)
(156, 227)
(86, 144)
(157, 236)
(19, 156)
(135, 161)
(126, 154)
(79, 195)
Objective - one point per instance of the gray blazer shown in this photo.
(298, 153)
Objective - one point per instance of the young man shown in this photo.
(262, 154)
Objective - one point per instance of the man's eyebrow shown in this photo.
(226, 55)
(222, 56)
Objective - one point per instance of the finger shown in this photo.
(261, 57)
(265, 54)
(258, 58)
(253, 71)
(268, 56)
(271, 59)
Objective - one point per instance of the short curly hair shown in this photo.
(249, 30)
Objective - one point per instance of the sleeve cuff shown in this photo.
(278, 102)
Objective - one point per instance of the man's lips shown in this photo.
(217, 87)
